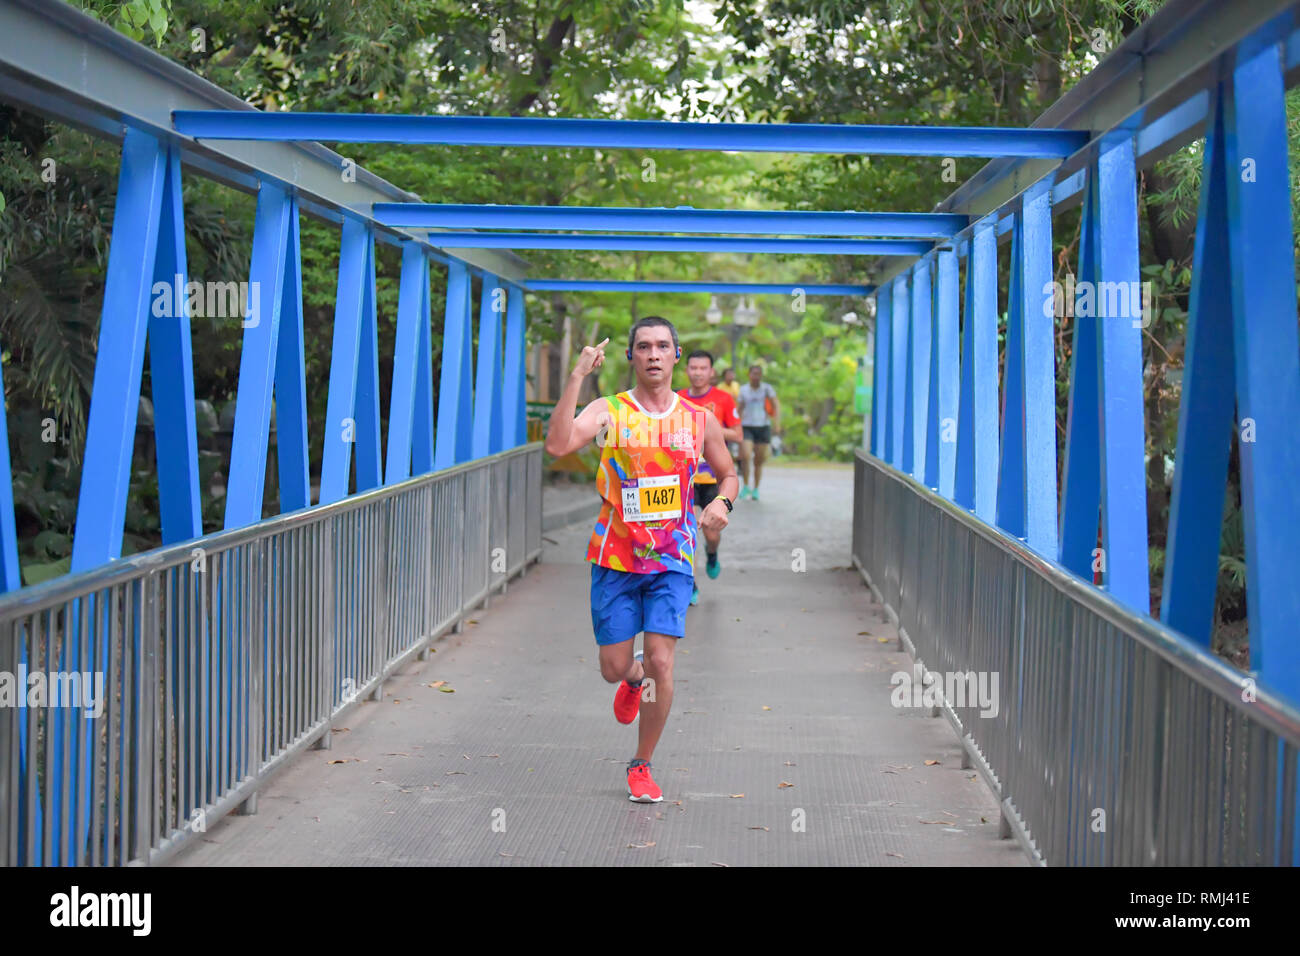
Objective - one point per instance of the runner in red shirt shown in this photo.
(699, 369)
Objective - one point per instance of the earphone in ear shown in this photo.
(629, 355)
(679, 351)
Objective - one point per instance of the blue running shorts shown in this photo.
(624, 604)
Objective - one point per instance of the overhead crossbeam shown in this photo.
(907, 225)
(606, 242)
(632, 134)
(648, 285)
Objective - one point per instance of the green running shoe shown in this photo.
(713, 568)
(695, 595)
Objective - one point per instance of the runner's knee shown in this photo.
(659, 661)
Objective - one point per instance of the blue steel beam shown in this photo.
(1011, 466)
(258, 358)
(917, 411)
(1119, 359)
(340, 425)
(487, 378)
(1081, 480)
(880, 390)
(941, 440)
(1266, 355)
(406, 359)
(513, 405)
(291, 381)
(631, 134)
(621, 242)
(458, 216)
(10, 576)
(1205, 412)
(365, 412)
(455, 389)
(900, 314)
(422, 425)
(977, 419)
(115, 393)
(171, 369)
(648, 285)
(1038, 369)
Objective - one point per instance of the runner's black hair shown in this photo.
(650, 320)
(700, 353)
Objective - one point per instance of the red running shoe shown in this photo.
(640, 787)
(627, 700)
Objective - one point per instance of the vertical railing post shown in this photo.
(514, 415)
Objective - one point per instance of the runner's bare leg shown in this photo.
(616, 662)
(659, 649)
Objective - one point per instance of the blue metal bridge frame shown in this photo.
(942, 414)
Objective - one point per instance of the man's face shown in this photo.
(755, 377)
(699, 371)
(729, 376)
(653, 355)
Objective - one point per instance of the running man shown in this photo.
(756, 396)
(642, 551)
(700, 371)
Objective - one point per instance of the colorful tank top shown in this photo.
(646, 479)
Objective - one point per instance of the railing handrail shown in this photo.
(38, 596)
(1269, 709)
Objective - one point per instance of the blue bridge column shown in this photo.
(454, 435)
(513, 405)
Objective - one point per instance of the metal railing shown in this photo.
(223, 657)
(1115, 741)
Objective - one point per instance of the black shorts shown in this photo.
(704, 494)
(758, 434)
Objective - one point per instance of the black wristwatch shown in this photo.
(727, 501)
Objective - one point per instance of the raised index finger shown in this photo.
(604, 343)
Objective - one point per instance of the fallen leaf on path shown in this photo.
(451, 772)
(765, 707)
(764, 829)
(437, 683)
(883, 640)
(715, 862)
(344, 760)
(397, 755)
(640, 846)
(783, 784)
(899, 855)
(447, 690)
(860, 633)
(736, 796)
(931, 763)
(940, 822)
(790, 764)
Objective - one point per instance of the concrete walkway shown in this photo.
(782, 749)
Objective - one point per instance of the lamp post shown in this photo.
(744, 316)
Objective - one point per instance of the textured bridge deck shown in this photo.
(523, 764)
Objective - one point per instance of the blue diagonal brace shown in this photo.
(340, 425)
(487, 379)
(406, 359)
(115, 394)
(977, 420)
(941, 445)
(370, 464)
(513, 408)
(880, 389)
(1267, 367)
(1205, 414)
(257, 359)
(422, 424)
(1119, 351)
(171, 369)
(1081, 481)
(291, 380)
(454, 391)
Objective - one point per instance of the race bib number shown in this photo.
(655, 498)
